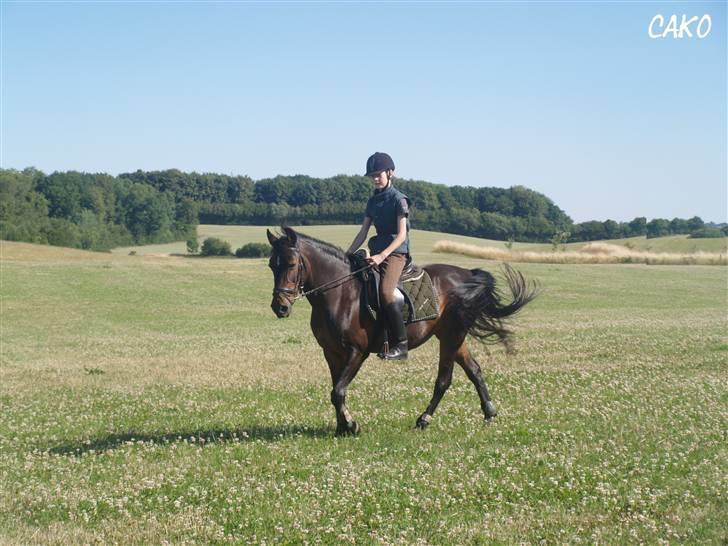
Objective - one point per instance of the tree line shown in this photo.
(657, 227)
(496, 213)
(99, 211)
(89, 211)
(515, 213)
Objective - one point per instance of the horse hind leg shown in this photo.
(442, 383)
(472, 370)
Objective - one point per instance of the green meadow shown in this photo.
(151, 399)
(423, 241)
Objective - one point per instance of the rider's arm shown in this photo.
(361, 236)
(399, 239)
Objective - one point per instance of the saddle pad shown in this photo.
(421, 299)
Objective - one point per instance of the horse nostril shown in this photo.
(284, 309)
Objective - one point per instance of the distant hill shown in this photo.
(422, 241)
(99, 211)
(497, 213)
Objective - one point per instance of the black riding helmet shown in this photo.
(379, 162)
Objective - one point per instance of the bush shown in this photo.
(193, 247)
(212, 246)
(253, 250)
(62, 232)
(707, 233)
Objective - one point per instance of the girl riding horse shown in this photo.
(388, 210)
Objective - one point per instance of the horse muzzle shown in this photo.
(281, 309)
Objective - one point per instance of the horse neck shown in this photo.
(320, 269)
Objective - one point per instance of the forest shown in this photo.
(89, 211)
(100, 211)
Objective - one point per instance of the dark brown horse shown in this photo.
(469, 304)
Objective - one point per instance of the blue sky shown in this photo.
(571, 99)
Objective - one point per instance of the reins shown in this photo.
(329, 284)
(299, 291)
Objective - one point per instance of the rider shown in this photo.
(388, 210)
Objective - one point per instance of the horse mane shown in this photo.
(327, 248)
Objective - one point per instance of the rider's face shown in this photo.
(380, 180)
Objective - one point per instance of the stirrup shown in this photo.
(398, 352)
(385, 349)
(396, 332)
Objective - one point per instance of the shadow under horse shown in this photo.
(469, 302)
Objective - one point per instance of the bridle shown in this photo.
(299, 292)
(295, 292)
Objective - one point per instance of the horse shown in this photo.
(469, 304)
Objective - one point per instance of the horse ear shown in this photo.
(292, 235)
(271, 238)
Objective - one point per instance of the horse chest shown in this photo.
(338, 330)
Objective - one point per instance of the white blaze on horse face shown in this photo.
(286, 269)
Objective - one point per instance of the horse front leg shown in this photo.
(344, 368)
(472, 370)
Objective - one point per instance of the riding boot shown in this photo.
(397, 333)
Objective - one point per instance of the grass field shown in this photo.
(342, 235)
(147, 399)
(423, 241)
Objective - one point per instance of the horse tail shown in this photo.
(480, 307)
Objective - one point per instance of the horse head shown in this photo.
(288, 268)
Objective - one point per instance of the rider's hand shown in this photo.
(376, 259)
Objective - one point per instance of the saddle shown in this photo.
(415, 286)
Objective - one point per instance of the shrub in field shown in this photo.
(212, 246)
(559, 239)
(253, 250)
(193, 246)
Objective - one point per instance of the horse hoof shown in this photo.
(350, 429)
(423, 421)
(490, 410)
